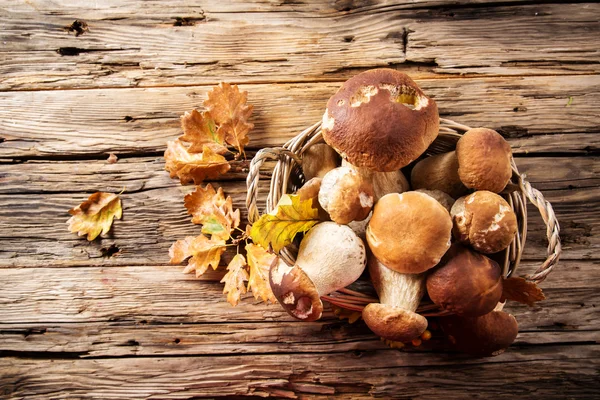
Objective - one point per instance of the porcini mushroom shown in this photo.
(484, 160)
(489, 334)
(381, 120)
(409, 232)
(438, 172)
(318, 160)
(310, 190)
(485, 221)
(331, 257)
(383, 182)
(466, 283)
(443, 198)
(394, 317)
(345, 195)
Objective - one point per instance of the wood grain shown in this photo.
(276, 46)
(383, 373)
(55, 124)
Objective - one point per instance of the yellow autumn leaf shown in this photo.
(279, 227)
(194, 167)
(211, 209)
(95, 215)
(235, 279)
(259, 261)
(204, 253)
(200, 130)
(227, 107)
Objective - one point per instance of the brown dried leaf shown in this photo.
(211, 209)
(234, 279)
(200, 130)
(95, 215)
(227, 107)
(193, 167)
(204, 253)
(344, 313)
(521, 290)
(260, 261)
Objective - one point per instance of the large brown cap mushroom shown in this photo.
(439, 172)
(409, 232)
(486, 335)
(484, 160)
(466, 283)
(381, 120)
(394, 317)
(485, 221)
(330, 257)
(345, 195)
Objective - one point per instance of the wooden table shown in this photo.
(110, 318)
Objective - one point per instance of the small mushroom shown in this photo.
(331, 257)
(484, 160)
(439, 172)
(485, 221)
(489, 334)
(381, 120)
(443, 198)
(383, 182)
(345, 195)
(310, 190)
(409, 232)
(466, 283)
(318, 160)
(394, 317)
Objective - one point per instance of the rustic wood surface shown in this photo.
(111, 319)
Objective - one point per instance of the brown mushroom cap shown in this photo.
(318, 160)
(295, 291)
(443, 198)
(484, 160)
(467, 283)
(310, 190)
(394, 323)
(438, 172)
(485, 221)
(381, 120)
(345, 195)
(489, 334)
(409, 232)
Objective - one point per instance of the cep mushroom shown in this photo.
(381, 120)
(409, 232)
(438, 172)
(345, 195)
(486, 335)
(330, 257)
(383, 182)
(318, 160)
(310, 190)
(443, 198)
(485, 221)
(466, 283)
(394, 317)
(484, 160)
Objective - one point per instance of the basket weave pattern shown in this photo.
(516, 193)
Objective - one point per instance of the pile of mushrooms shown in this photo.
(436, 239)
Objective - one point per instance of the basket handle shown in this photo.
(552, 230)
(272, 154)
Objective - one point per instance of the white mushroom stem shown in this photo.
(383, 182)
(394, 288)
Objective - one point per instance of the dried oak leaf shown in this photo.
(227, 107)
(204, 253)
(521, 290)
(95, 215)
(259, 261)
(194, 167)
(211, 209)
(279, 227)
(234, 279)
(200, 130)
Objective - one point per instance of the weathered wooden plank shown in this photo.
(328, 335)
(34, 232)
(273, 46)
(125, 121)
(163, 294)
(382, 373)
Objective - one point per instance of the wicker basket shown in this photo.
(287, 178)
